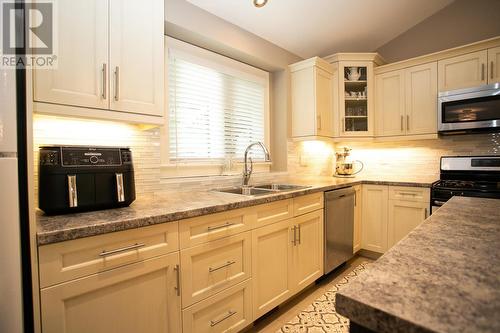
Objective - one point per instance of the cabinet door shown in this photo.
(140, 297)
(390, 103)
(324, 103)
(271, 266)
(307, 257)
(136, 56)
(464, 71)
(421, 97)
(494, 65)
(356, 244)
(82, 57)
(404, 216)
(374, 217)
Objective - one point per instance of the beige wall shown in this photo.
(461, 22)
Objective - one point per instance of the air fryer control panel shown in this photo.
(84, 156)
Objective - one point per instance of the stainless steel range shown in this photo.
(469, 176)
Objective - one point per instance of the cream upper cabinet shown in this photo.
(494, 65)
(110, 58)
(136, 57)
(82, 57)
(374, 218)
(307, 252)
(463, 71)
(114, 301)
(404, 216)
(406, 101)
(421, 99)
(390, 103)
(312, 98)
(357, 219)
(271, 266)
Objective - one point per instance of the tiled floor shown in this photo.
(274, 320)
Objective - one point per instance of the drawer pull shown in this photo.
(229, 263)
(105, 253)
(227, 315)
(408, 193)
(225, 225)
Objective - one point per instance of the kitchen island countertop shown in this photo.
(443, 277)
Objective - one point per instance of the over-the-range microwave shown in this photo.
(469, 110)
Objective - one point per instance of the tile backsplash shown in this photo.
(145, 144)
(418, 158)
(305, 158)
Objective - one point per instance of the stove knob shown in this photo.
(94, 159)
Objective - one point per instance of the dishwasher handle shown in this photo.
(342, 192)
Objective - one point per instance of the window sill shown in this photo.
(206, 169)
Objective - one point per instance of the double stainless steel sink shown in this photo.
(261, 189)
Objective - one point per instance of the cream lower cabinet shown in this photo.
(374, 215)
(389, 213)
(404, 216)
(356, 244)
(139, 297)
(272, 265)
(286, 257)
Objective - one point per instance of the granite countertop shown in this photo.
(443, 277)
(172, 206)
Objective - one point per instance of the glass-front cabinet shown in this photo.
(355, 115)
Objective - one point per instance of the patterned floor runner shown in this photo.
(320, 316)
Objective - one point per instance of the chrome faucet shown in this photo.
(247, 170)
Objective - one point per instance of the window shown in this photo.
(217, 106)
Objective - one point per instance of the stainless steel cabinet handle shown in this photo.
(294, 239)
(408, 193)
(228, 263)
(104, 81)
(402, 128)
(136, 246)
(117, 83)
(425, 213)
(178, 279)
(355, 199)
(407, 122)
(492, 72)
(120, 193)
(318, 118)
(298, 228)
(482, 72)
(343, 124)
(230, 313)
(225, 225)
(72, 191)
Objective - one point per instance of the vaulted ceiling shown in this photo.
(322, 27)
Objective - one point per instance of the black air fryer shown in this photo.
(76, 179)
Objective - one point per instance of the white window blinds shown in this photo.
(213, 114)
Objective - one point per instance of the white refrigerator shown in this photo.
(11, 234)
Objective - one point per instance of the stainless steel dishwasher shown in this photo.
(339, 227)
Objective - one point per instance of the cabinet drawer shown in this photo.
(214, 266)
(274, 212)
(228, 311)
(199, 230)
(69, 260)
(307, 203)
(418, 194)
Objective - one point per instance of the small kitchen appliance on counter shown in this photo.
(468, 176)
(344, 166)
(75, 179)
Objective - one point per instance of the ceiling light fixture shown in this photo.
(259, 3)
